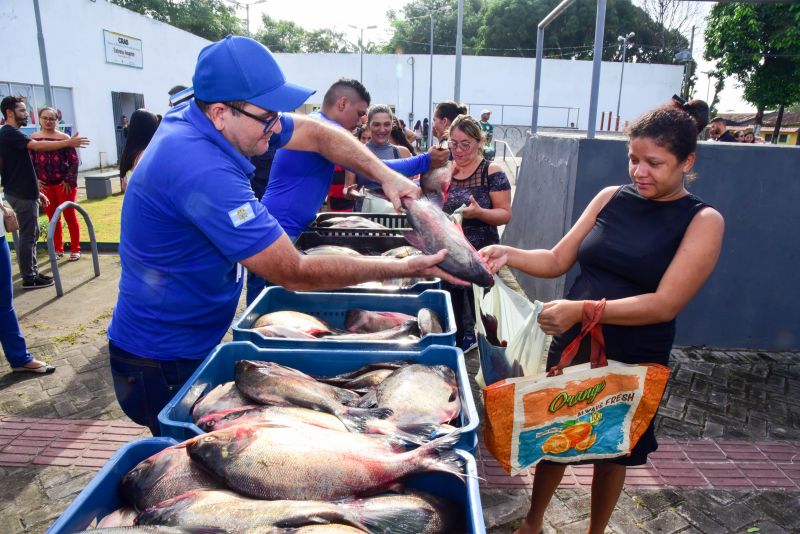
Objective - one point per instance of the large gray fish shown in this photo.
(241, 515)
(392, 365)
(270, 383)
(415, 513)
(293, 319)
(423, 513)
(331, 250)
(154, 529)
(418, 394)
(433, 231)
(361, 382)
(360, 321)
(402, 437)
(351, 222)
(223, 397)
(408, 332)
(435, 183)
(164, 475)
(311, 463)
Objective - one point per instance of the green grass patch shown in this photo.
(105, 215)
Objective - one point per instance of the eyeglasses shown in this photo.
(49, 118)
(461, 147)
(268, 123)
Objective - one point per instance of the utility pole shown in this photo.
(361, 48)
(459, 44)
(624, 40)
(410, 61)
(48, 91)
(430, 89)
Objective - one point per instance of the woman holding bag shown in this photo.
(646, 247)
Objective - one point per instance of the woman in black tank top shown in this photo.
(646, 247)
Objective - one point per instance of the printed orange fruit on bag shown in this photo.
(556, 444)
(587, 443)
(577, 433)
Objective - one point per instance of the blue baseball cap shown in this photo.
(240, 68)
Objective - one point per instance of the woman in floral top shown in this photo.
(57, 172)
(484, 189)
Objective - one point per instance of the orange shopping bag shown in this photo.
(591, 411)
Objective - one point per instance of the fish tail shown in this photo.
(396, 520)
(440, 456)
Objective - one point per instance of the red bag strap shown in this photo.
(592, 312)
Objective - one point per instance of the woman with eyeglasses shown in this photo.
(57, 172)
(483, 189)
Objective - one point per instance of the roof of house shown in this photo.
(790, 118)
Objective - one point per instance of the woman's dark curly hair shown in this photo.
(674, 127)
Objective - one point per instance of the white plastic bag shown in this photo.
(517, 325)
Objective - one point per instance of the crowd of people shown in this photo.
(718, 131)
(194, 220)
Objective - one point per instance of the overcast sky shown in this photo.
(313, 14)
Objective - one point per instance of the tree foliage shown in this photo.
(758, 44)
(508, 28)
(286, 36)
(211, 19)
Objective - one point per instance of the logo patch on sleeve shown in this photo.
(242, 214)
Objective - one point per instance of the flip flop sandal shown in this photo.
(75, 256)
(43, 369)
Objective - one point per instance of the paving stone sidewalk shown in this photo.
(748, 399)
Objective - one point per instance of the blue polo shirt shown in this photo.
(188, 217)
(298, 184)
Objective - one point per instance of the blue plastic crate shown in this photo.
(218, 368)
(101, 496)
(332, 308)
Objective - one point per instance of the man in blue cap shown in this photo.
(190, 222)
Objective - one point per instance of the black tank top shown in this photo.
(627, 253)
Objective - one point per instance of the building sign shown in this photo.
(123, 49)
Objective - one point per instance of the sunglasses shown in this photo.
(268, 123)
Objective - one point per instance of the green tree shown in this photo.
(211, 19)
(508, 28)
(758, 44)
(289, 37)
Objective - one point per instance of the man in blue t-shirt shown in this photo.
(190, 222)
(299, 181)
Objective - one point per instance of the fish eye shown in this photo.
(209, 438)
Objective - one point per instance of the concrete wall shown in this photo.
(747, 302)
(73, 31)
(502, 85)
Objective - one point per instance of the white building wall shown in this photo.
(73, 31)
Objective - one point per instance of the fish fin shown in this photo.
(355, 419)
(423, 432)
(369, 400)
(414, 240)
(321, 518)
(346, 396)
(397, 520)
